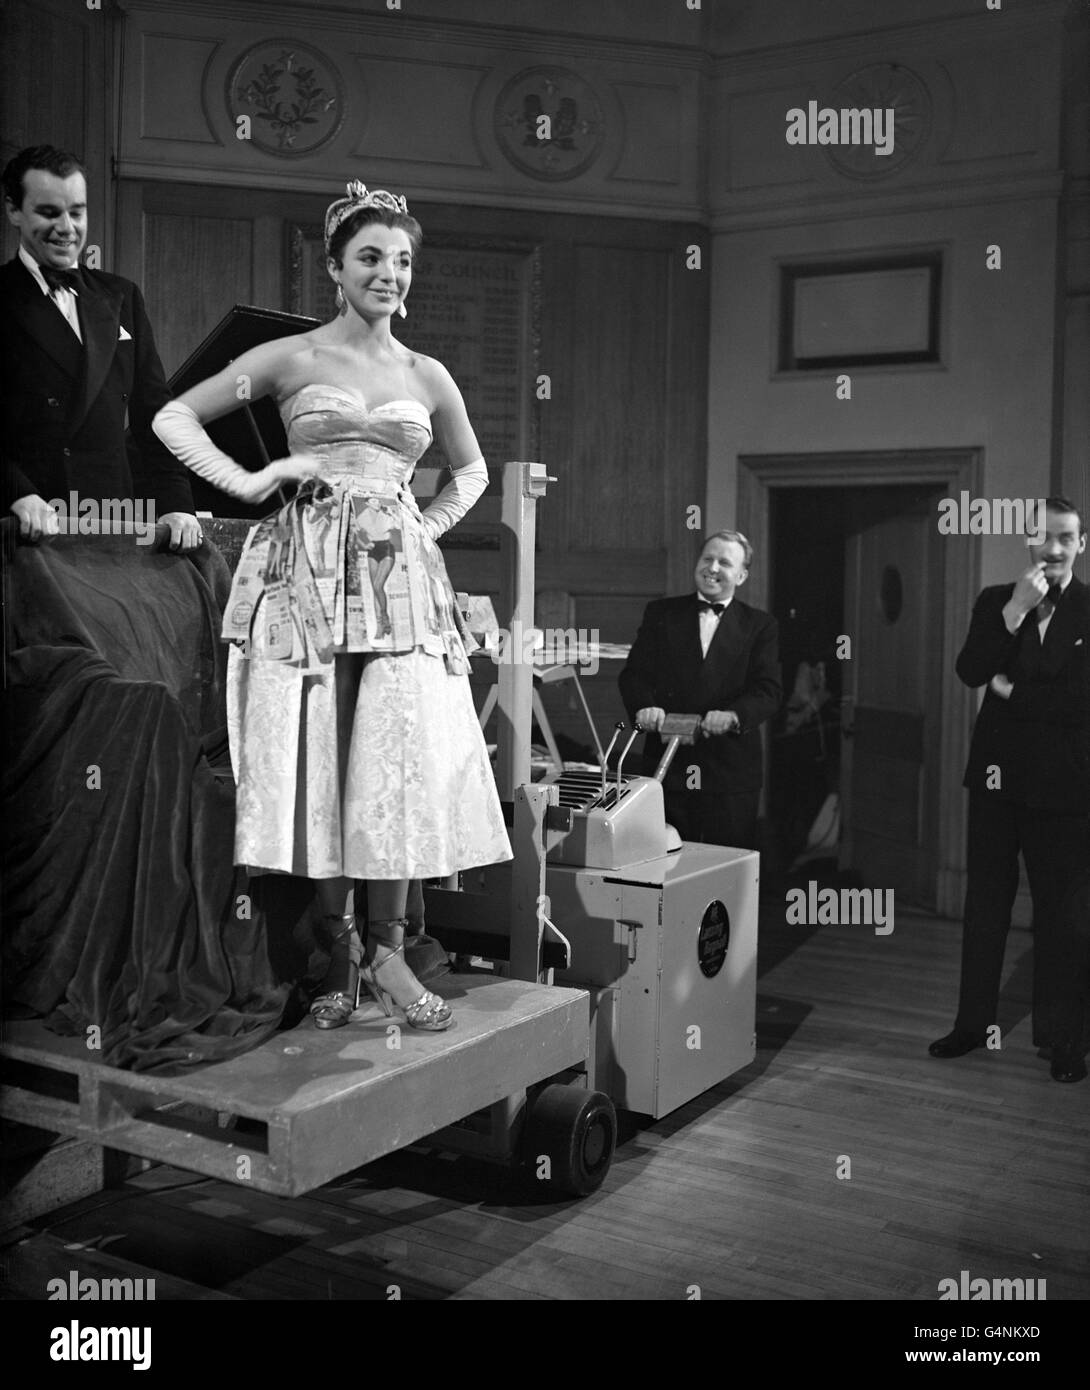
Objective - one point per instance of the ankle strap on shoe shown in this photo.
(349, 917)
(376, 932)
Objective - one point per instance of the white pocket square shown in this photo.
(1079, 642)
(123, 334)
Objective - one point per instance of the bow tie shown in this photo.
(61, 279)
(717, 608)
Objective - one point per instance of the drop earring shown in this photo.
(402, 312)
(339, 300)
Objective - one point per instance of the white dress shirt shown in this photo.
(1042, 623)
(709, 620)
(62, 297)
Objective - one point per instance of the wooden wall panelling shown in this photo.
(267, 271)
(619, 305)
(56, 88)
(624, 333)
(268, 210)
(197, 268)
(685, 466)
(45, 96)
(406, 99)
(557, 420)
(197, 251)
(129, 246)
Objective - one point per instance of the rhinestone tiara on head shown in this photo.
(359, 197)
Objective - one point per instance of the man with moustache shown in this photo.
(708, 653)
(1029, 792)
(79, 363)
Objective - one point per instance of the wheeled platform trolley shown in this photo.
(308, 1105)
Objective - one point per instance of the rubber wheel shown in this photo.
(576, 1130)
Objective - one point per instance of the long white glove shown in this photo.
(178, 426)
(465, 487)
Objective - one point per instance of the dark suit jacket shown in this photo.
(741, 672)
(1039, 738)
(63, 422)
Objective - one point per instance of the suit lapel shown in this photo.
(724, 644)
(37, 315)
(100, 319)
(1060, 634)
(685, 640)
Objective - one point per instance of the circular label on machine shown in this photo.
(713, 939)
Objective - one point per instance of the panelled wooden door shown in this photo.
(892, 693)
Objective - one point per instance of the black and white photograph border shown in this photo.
(771, 323)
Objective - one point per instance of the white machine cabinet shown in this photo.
(667, 949)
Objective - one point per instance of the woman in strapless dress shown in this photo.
(355, 742)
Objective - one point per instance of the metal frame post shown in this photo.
(523, 484)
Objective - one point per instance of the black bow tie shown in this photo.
(717, 608)
(60, 279)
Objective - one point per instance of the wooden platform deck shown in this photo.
(308, 1105)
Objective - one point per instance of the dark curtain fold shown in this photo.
(122, 907)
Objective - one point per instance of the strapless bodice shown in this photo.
(349, 567)
(374, 444)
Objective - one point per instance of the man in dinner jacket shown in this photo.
(708, 653)
(1028, 778)
(81, 375)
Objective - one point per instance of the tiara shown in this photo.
(359, 197)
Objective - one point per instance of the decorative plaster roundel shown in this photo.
(291, 93)
(885, 86)
(549, 123)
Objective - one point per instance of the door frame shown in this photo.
(954, 469)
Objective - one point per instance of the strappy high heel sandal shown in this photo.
(429, 1013)
(335, 1008)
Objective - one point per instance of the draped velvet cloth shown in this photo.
(120, 895)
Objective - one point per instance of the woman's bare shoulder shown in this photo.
(297, 360)
(435, 382)
(271, 361)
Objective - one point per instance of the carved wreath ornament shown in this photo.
(291, 94)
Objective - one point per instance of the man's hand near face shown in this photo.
(1031, 588)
